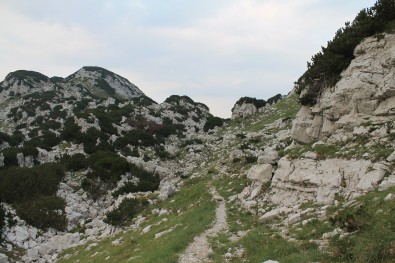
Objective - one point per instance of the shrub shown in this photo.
(102, 84)
(126, 211)
(2, 218)
(257, 103)
(10, 154)
(107, 168)
(71, 131)
(251, 159)
(147, 182)
(43, 212)
(212, 122)
(46, 141)
(17, 184)
(75, 162)
(136, 137)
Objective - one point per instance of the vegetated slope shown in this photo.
(78, 158)
(325, 199)
(258, 229)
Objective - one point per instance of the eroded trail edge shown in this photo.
(199, 249)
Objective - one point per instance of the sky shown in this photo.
(214, 51)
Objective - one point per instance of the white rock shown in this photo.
(389, 197)
(270, 261)
(163, 212)
(371, 180)
(311, 155)
(243, 111)
(3, 258)
(270, 156)
(166, 190)
(294, 219)
(261, 173)
(275, 213)
(255, 192)
(32, 254)
(387, 182)
(146, 229)
(391, 158)
(21, 233)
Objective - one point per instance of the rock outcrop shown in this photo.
(243, 111)
(365, 94)
(302, 180)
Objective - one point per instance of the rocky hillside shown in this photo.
(76, 152)
(267, 189)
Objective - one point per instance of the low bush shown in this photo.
(126, 211)
(10, 154)
(2, 219)
(75, 162)
(17, 184)
(212, 122)
(257, 102)
(147, 182)
(136, 137)
(43, 212)
(107, 168)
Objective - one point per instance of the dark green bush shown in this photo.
(43, 212)
(126, 211)
(71, 131)
(17, 184)
(147, 182)
(4, 137)
(46, 141)
(274, 99)
(11, 153)
(2, 218)
(258, 103)
(212, 122)
(75, 162)
(102, 84)
(107, 168)
(251, 159)
(136, 137)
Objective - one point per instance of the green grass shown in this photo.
(375, 239)
(286, 108)
(197, 213)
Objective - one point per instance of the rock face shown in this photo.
(365, 93)
(319, 181)
(243, 111)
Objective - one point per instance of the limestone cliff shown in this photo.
(365, 94)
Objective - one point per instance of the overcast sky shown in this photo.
(214, 51)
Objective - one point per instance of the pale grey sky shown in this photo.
(213, 51)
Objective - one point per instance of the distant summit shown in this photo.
(89, 81)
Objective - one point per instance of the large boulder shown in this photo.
(261, 172)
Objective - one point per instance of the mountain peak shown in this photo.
(102, 82)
